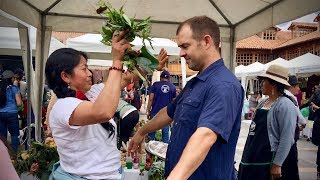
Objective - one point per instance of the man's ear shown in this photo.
(208, 41)
(65, 77)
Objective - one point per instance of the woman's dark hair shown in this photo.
(64, 59)
(19, 73)
(280, 88)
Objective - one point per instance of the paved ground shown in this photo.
(307, 152)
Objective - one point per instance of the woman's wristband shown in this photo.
(116, 68)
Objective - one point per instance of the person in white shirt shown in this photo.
(86, 149)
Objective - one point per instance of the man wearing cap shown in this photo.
(291, 91)
(10, 98)
(161, 94)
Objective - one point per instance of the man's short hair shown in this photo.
(200, 26)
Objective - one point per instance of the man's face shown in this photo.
(191, 49)
(295, 89)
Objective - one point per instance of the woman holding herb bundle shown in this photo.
(86, 149)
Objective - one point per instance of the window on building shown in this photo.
(244, 58)
(308, 49)
(264, 58)
(293, 53)
(269, 34)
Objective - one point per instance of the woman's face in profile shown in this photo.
(81, 78)
(266, 86)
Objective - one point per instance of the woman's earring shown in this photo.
(68, 85)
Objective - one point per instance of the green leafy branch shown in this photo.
(119, 21)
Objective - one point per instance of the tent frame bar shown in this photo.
(51, 6)
(258, 12)
(221, 13)
(32, 6)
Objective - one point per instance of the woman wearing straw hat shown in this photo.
(267, 153)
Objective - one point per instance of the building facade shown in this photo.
(301, 38)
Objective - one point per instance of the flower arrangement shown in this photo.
(38, 160)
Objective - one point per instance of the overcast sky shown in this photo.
(308, 18)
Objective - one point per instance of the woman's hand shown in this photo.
(275, 171)
(119, 45)
(162, 58)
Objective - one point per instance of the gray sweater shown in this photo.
(281, 123)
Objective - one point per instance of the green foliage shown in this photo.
(119, 21)
(156, 171)
(38, 160)
(158, 135)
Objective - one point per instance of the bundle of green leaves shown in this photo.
(119, 21)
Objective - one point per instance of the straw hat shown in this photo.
(277, 73)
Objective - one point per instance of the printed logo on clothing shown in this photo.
(252, 128)
(165, 88)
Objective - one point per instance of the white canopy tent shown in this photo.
(237, 20)
(279, 61)
(240, 70)
(304, 65)
(91, 43)
(10, 40)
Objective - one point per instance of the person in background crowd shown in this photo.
(10, 99)
(178, 90)
(20, 83)
(136, 101)
(129, 93)
(206, 115)
(314, 104)
(292, 91)
(269, 149)
(299, 97)
(161, 94)
(253, 100)
(7, 171)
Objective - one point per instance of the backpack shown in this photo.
(3, 92)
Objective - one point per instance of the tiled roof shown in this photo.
(255, 42)
(311, 36)
(302, 25)
(63, 36)
(317, 19)
(284, 35)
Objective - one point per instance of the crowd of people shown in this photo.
(205, 115)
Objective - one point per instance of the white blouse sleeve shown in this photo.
(62, 111)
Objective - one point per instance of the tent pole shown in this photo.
(42, 51)
(232, 49)
(27, 58)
